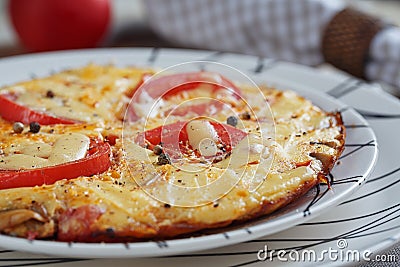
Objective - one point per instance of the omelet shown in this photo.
(122, 156)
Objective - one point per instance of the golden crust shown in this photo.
(306, 143)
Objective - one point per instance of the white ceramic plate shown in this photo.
(355, 165)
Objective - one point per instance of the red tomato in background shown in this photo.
(44, 25)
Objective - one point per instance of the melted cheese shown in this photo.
(41, 150)
(202, 137)
(138, 153)
(93, 94)
(67, 148)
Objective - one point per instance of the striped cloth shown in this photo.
(288, 30)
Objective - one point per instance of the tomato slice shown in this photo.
(10, 110)
(175, 141)
(168, 135)
(170, 85)
(229, 135)
(167, 86)
(97, 160)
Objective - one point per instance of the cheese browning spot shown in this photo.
(245, 116)
(50, 94)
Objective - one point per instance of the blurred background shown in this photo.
(127, 26)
